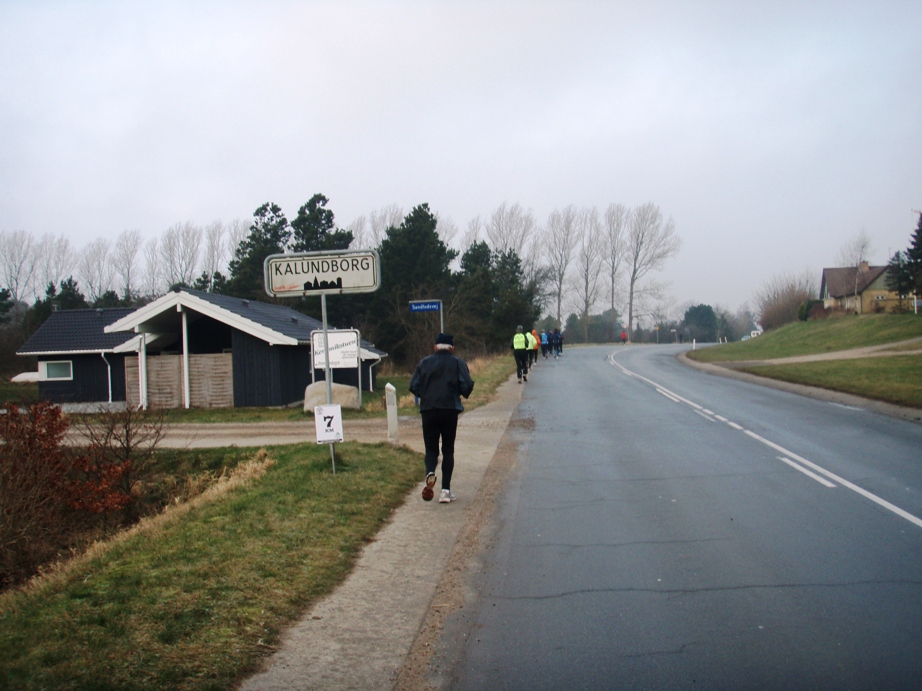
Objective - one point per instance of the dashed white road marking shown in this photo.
(808, 473)
(787, 455)
(668, 395)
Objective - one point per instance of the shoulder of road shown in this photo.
(732, 369)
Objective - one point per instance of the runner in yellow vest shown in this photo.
(520, 351)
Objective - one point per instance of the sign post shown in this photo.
(429, 306)
(318, 273)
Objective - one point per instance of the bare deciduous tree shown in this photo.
(852, 254)
(55, 260)
(380, 220)
(616, 218)
(237, 231)
(215, 255)
(588, 264)
(445, 228)
(510, 228)
(17, 262)
(472, 234)
(650, 242)
(179, 251)
(360, 235)
(153, 276)
(561, 239)
(125, 260)
(95, 267)
(855, 251)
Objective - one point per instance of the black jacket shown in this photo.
(440, 380)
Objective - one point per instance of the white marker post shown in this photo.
(317, 273)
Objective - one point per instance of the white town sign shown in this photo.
(316, 273)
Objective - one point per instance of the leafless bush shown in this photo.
(779, 298)
(34, 470)
(119, 447)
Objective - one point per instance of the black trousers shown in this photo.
(521, 362)
(440, 423)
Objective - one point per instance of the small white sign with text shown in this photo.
(329, 422)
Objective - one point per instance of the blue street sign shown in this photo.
(425, 305)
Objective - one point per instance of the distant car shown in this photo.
(745, 338)
(753, 334)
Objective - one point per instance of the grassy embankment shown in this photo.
(895, 379)
(193, 598)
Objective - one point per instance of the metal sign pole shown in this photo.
(358, 356)
(326, 368)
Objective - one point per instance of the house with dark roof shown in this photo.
(192, 349)
(77, 360)
(862, 289)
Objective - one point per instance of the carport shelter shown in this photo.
(190, 348)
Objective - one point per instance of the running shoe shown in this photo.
(427, 490)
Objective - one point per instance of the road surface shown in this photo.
(669, 529)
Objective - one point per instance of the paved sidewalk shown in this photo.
(359, 636)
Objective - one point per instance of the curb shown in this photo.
(889, 409)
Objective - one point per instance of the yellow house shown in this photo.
(861, 289)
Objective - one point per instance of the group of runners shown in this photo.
(525, 345)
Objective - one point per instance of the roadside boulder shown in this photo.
(316, 394)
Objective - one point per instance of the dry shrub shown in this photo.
(406, 401)
(478, 364)
(779, 299)
(34, 489)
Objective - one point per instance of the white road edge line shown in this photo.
(842, 481)
(915, 520)
(808, 473)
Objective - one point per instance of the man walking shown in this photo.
(520, 352)
(440, 380)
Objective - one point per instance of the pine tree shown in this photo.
(269, 234)
(914, 259)
(314, 229)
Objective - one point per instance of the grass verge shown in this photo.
(23, 394)
(824, 336)
(193, 598)
(896, 379)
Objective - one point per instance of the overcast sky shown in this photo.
(771, 132)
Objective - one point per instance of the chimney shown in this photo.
(863, 268)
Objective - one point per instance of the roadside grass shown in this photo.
(23, 394)
(905, 347)
(488, 372)
(823, 336)
(194, 597)
(896, 379)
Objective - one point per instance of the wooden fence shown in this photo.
(211, 381)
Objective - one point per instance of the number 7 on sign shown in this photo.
(328, 420)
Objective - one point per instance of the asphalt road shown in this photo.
(666, 528)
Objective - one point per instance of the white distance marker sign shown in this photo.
(329, 422)
(316, 273)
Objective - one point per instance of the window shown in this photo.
(56, 371)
